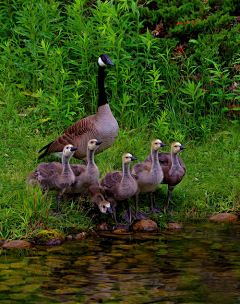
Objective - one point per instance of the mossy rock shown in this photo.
(49, 237)
(75, 230)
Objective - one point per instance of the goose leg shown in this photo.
(170, 189)
(154, 208)
(58, 204)
(139, 215)
(59, 194)
(128, 215)
(113, 204)
(117, 225)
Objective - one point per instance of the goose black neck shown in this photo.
(102, 98)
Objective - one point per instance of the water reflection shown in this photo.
(198, 265)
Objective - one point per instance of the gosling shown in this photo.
(85, 175)
(54, 176)
(120, 186)
(173, 168)
(149, 175)
(97, 199)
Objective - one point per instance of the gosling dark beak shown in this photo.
(109, 62)
(133, 158)
(109, 210)
(98, 142)
(162, 145)
(182, 147)
(73, 149)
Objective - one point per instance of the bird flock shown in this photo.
(92, 135)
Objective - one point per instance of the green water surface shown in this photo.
(200, 264)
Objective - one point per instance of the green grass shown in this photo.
(211, 184)
(182, 84)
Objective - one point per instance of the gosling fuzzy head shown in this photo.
(105, 207)
(176, 147)
(93, 144)
(127, 158)
(157, 144)
(69, 150)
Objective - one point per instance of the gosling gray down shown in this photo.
(54, 176)
(119, 186)
(85, 176)
(97, 199)
(173, 168)
(101, 125)
(148, 175)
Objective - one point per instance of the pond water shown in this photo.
(200, 264)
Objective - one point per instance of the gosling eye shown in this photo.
(91, 142)
(104, 207)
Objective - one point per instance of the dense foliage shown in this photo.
(177, 62)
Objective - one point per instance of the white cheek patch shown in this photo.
(100, 62)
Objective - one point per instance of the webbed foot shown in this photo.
(141, 215)
(128, 215)
(169, 211)
(154, 210)
(122, 226)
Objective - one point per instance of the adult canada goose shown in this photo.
(173, 168)
(54, 176)
(149, 175)
(101, 125)
(119, 186)
(85, 176)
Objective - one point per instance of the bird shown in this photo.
(96, 194)
(173, 168)
(101, 125)
(148, 175)
(54, 176)
(85, 176)
(119, 186)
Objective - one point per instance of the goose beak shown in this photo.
(182, 147)
(133, 158)
(98, 143)
(109, 62)
(73, 149)
(163, 145)
(109, 210)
